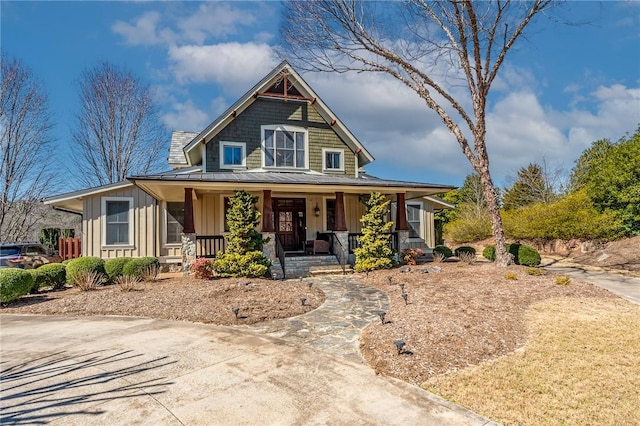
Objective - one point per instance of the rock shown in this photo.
(404, 269)
(422, 270)
(588, 247)
(434, 269)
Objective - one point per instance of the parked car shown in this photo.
(25, 255)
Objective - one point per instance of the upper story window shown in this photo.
(332, 160)
(285, 147)
(117, 224)
(232, 155)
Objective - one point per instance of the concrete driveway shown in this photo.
(115, 370)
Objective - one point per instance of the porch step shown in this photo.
(302, 266)
(314, 271)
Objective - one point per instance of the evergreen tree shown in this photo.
(375, 251)
(531, 186)
(243, 256)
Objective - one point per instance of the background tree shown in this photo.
(610, 174)
(533, 185)
(118, 131)
(434, 48)
(27, 170)
(375, 251)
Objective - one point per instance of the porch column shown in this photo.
(188, 237)
(340, 222)
(267, 212)
(401, 213)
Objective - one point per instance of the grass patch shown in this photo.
(580, 366)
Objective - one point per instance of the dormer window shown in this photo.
(285, 147)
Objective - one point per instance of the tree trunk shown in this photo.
(493, 208)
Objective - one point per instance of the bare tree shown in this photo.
(27, 171)
(448, 52)
(118, 131)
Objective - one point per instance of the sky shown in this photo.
(560, 89)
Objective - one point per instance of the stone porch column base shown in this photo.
(269, 248)
(188, 252)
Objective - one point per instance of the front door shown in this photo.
(290, 218)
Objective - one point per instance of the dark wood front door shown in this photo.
(290, 222)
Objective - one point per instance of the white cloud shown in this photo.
(231, 65)
(144, 30)
(214, 19)
(186, 116)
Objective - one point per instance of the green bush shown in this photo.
(140, 267)
(464, 249)
(49, 275)
(79, 266)
(375, 251)
(444, 250)
(14, 283)
(114, 267)
(522, 254)
(250, 264)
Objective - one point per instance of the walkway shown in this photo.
(335, 326)
(622, 285)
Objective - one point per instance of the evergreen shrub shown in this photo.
(522, 254)
(141, 267)
(114, 267)
(14, 283)
(464, 249)
(49, 275)
(81, 265)
(375, 251)
(444, 250)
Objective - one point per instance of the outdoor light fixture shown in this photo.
(303, 299)
(389, 278)
(316, 210)
(235, 311)
(404, 296)
(399, 345)
(310, 284)
(382, 314)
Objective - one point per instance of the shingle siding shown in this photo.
(246, 128)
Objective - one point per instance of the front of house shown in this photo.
(279, 142)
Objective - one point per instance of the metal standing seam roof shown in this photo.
(284, 178)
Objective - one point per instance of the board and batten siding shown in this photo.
(246, 128)
(144, 223)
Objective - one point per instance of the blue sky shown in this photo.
(562, 88)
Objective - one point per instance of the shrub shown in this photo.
(438, 257)
(511, 276)
(536, 272)
(49, 275)
(464, 249)
(202, 269)
(522, 254)
(563, 280)
(470, 224)
(444, 250)
(89, 280)
(114, 267)
(250, 264)
(374, 251)
(14, 283)
(142, 268)
(126, 284)
(410, 255)
(467, 257)
(78, 266)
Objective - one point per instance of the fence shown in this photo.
(69, 248)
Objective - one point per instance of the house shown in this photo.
(280, 142)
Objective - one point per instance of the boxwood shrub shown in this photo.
(522, 254)
(49, 275)
(114, 267)
(464, 249)
(444, 250)
(14, 283)
(78, 266)
(139, 267)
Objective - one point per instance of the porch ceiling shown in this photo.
(171, 186)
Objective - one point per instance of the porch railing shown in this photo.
(209, 245)
(354, 241)
(69, 248)
(339, 254)
(280, 254)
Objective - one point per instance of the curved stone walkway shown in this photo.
(335, 326)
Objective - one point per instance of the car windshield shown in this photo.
(9, 251)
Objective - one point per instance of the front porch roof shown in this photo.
(167, 186)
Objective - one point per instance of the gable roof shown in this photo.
(194, 155)
(178, 141)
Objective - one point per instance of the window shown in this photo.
(117, 218)
(232, 155)
(331, 214)
(332, 160)
(175, 222)
(284, 147)
(413, 220)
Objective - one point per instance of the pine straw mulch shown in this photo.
(456, 318)
(175, 297)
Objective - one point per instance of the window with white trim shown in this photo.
(175, 222)
(232, 155)
(117, 219)
(284, 147)
(332, 160)
(413, 220)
